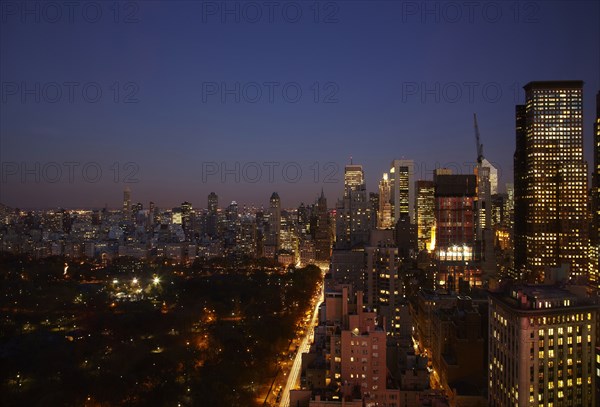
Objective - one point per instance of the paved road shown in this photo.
(294, 374)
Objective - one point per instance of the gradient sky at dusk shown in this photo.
(373, 54)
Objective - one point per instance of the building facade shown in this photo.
(402, 192)
(541, 347)
(455, 249)
(425, 213)
(551, 227)
(353, 212)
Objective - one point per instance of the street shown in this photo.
(294, 373)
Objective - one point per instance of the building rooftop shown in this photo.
(541, 298)
(455, 185)
(575, 84)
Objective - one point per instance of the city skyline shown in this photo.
(408, 106)
(317, 203)
(373, 309)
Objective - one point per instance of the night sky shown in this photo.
(379, 79)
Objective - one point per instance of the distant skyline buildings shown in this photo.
(425, 214)
(384, 212)
(127, 202)
(402, 192)
(323, 233)
(443, 257)
(421, 171)
(372, 121)
(274, 236)
(292, 213)
(493, 176)
(353, 211)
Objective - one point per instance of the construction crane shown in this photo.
(478, 144)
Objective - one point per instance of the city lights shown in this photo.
(305, 204)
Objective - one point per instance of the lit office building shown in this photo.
(274, 222)
(455, 248)
(353, 212)
(288, 238)
(509, 206)
(322, 233)
(551, 228)
(484, 198)
(248, 233)
(187, 220)
(354, 178)
(373, 208)
(127, 210)
(541, 348)
(212, 216)
(425, 214)
(493, 176)
(402, 192)
(384, 212)
(595, 233)
(213, 203)
(384, 285)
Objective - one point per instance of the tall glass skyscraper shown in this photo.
(595, 232)
(551, 227)
(402, 193)
(353, 211)
(425, 209)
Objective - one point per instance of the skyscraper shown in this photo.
(551, 227)
(187, 220)
(493, 176)
(274, 221)
(402, 193)
(541, 347)
(354, 178)
(520, 197)
(303, 218)
(151, 216)
(509, 205)
(353, 211)
(484, 198)
(425, 207)
(213, 203)
(384, 290)
(373, 209)
(455, 248)
(322, 232)
(595, 232)
(212, 217)
(127, 203)
(232, 225)
(384, 212)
